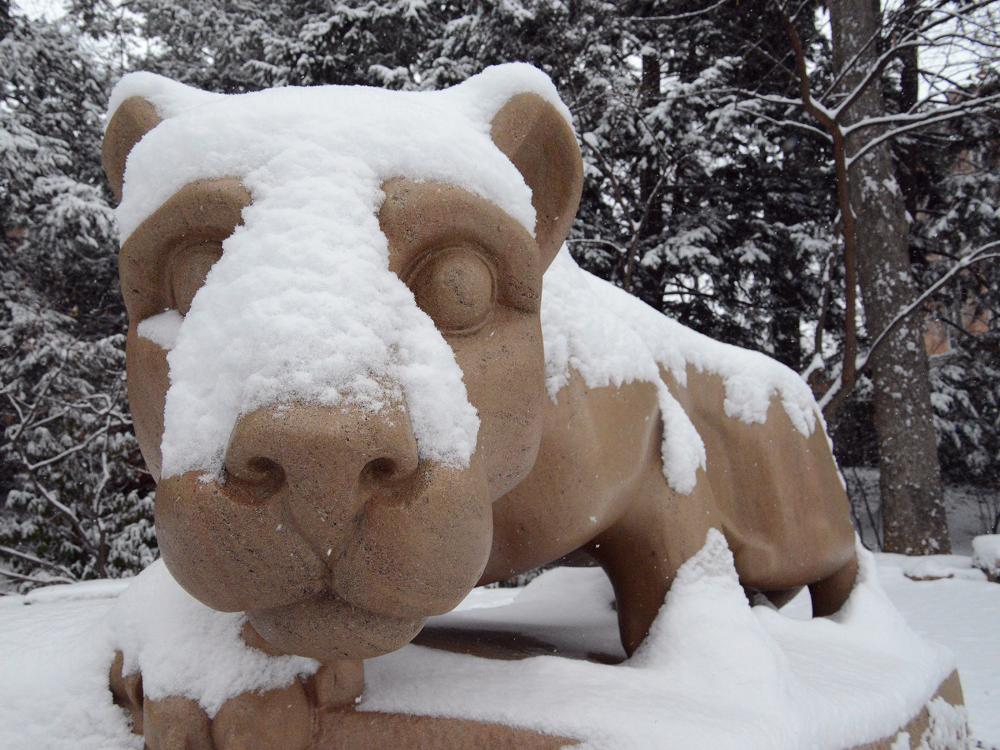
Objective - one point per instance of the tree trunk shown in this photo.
(913, 516)
(650, 216)
(910, 166)
(6, 22)
(649, 177)
(786, 333)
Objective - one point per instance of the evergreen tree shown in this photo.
(255, 44)
(955, 212)
(729, 226)
(75, 503)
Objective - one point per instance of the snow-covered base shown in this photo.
(714, 673)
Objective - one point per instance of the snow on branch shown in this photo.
(680, 16)
(37, 561)
(939, 116)
(985, 252)
(33, 579)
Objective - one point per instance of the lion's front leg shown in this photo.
(282, 719)
(176, 723)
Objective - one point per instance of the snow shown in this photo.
(948, 726)
(101, 588)
(986, 554)
(429, 135)
(161, 329)
(182, 647)
(54, 662)
(963, 613)
(715, 672)
(302, 305)
(582, 333)
(930, 567)
(610, 337)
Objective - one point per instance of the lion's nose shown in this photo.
(325, 462)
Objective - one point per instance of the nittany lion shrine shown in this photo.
(368, 377)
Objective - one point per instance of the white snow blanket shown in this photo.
(715, 672)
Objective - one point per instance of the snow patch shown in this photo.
(713, 672)
(104, 588)
(962, 613)
(161, 329)
(682, 452)
(182, 647)
(55, 657)
(986, 554)
(947, 727)
(756, 669)
(428, 135)
(933, 567)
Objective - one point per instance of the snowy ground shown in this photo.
(53, 653)
(971, 510)
(963, 613)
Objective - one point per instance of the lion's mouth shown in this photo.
(324, 586)
(328, 627)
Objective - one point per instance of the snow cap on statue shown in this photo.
(303, 286)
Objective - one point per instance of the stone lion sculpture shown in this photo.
(367, 378)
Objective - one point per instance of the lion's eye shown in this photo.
(188, 268)
(456, 287)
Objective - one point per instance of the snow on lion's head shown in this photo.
(334, 354)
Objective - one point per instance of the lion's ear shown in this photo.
(535, 136)
(131, 121)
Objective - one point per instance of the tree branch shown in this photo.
(838, 389)
(839, 142)
(32, 579)
(36, 560)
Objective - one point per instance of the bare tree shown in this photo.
(874, 222)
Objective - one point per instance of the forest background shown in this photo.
(818, 181)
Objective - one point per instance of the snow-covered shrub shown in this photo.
(73, 500)
(75, 503)
(986, 555)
